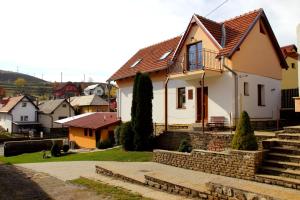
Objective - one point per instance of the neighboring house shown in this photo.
(289, 84)
(96, 89)
(88, 130)
(52, 110)
(90, 103)
(65, 90)
(235, 65)
(19, 115)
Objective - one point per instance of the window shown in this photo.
(293, 65)
(246, 89)
(165, 55)
(91, 132)
(85, 132)
(190, 94)
(24, 104)
(181, 97)
(24, 118)
(261, 95)
(195, 56)
(64, 105)
(136, 63)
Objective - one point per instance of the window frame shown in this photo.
(85, 131)
(24, 104)
(181, 105)
(198, 67)
(90, 132)
(246, 88)
(261, 95)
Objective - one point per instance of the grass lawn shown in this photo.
(116, 154)
(108, 190)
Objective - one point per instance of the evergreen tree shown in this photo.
(134, 98)
(244, 138)
(143, 126)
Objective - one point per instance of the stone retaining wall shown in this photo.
(214, 141)
(214, 191)
(234, 163)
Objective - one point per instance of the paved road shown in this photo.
(137, 170)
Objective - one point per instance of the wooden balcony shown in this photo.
(192, 65)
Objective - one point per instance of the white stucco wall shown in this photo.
(250, 103)
(30, 111)
(5, 121)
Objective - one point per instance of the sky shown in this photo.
(93, 38)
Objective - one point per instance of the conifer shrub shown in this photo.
(65, 148)
(126, 136)
(104, 144)
(244, 138)
(185, 146)
(55, 150)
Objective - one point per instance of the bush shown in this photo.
(55, 150)
(126, 136)
(65, 148)
(185, 146)
(117, 133)
(104, 144)
(14, 148)
(244, 138)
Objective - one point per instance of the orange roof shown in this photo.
(150, 59)
(290, 51)
(95, 120)
(13, 101)
(229, 35)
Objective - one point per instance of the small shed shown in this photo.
(96, 127)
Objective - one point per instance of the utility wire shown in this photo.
(216, 8)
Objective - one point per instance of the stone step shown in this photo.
(278, 180)
(289, 173)
(285, 150)
(281, 164)
(283, 157)
(284, 143)
(289, 136)
(292, 129)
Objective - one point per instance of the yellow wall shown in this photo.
(77, 135)
(86, 109)
(257, 56)
(290, 76)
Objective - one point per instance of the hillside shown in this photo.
(10, 77)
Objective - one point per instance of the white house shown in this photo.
(52, 110)
(19, 115)
(235, 65)
(96, 89)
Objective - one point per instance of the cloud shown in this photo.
(97, 37)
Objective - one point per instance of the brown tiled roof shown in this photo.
(290, 51)
(150, 59)
(213, 27)
(13, 101)
(95, 120)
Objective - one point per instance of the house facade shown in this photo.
(66, 90)
(19, 115)
(52, 110)
(89, 103)
(213, 69)
(96, 89)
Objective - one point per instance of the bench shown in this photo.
(216, 122)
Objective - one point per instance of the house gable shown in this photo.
(257, 54)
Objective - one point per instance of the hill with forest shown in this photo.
(10, 77)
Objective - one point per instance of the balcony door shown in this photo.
(194, 56)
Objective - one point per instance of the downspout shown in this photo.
(166, 103)
(202, 101)
(235, 89)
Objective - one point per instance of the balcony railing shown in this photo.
(200, 60)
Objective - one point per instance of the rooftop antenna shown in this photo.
(216, 8)
(61, 77)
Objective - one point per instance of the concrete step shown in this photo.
(281, 164)
(285, 150)
(283, 157)
(284, 143)
(289, 173)
(278, 180)
(289, 136)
